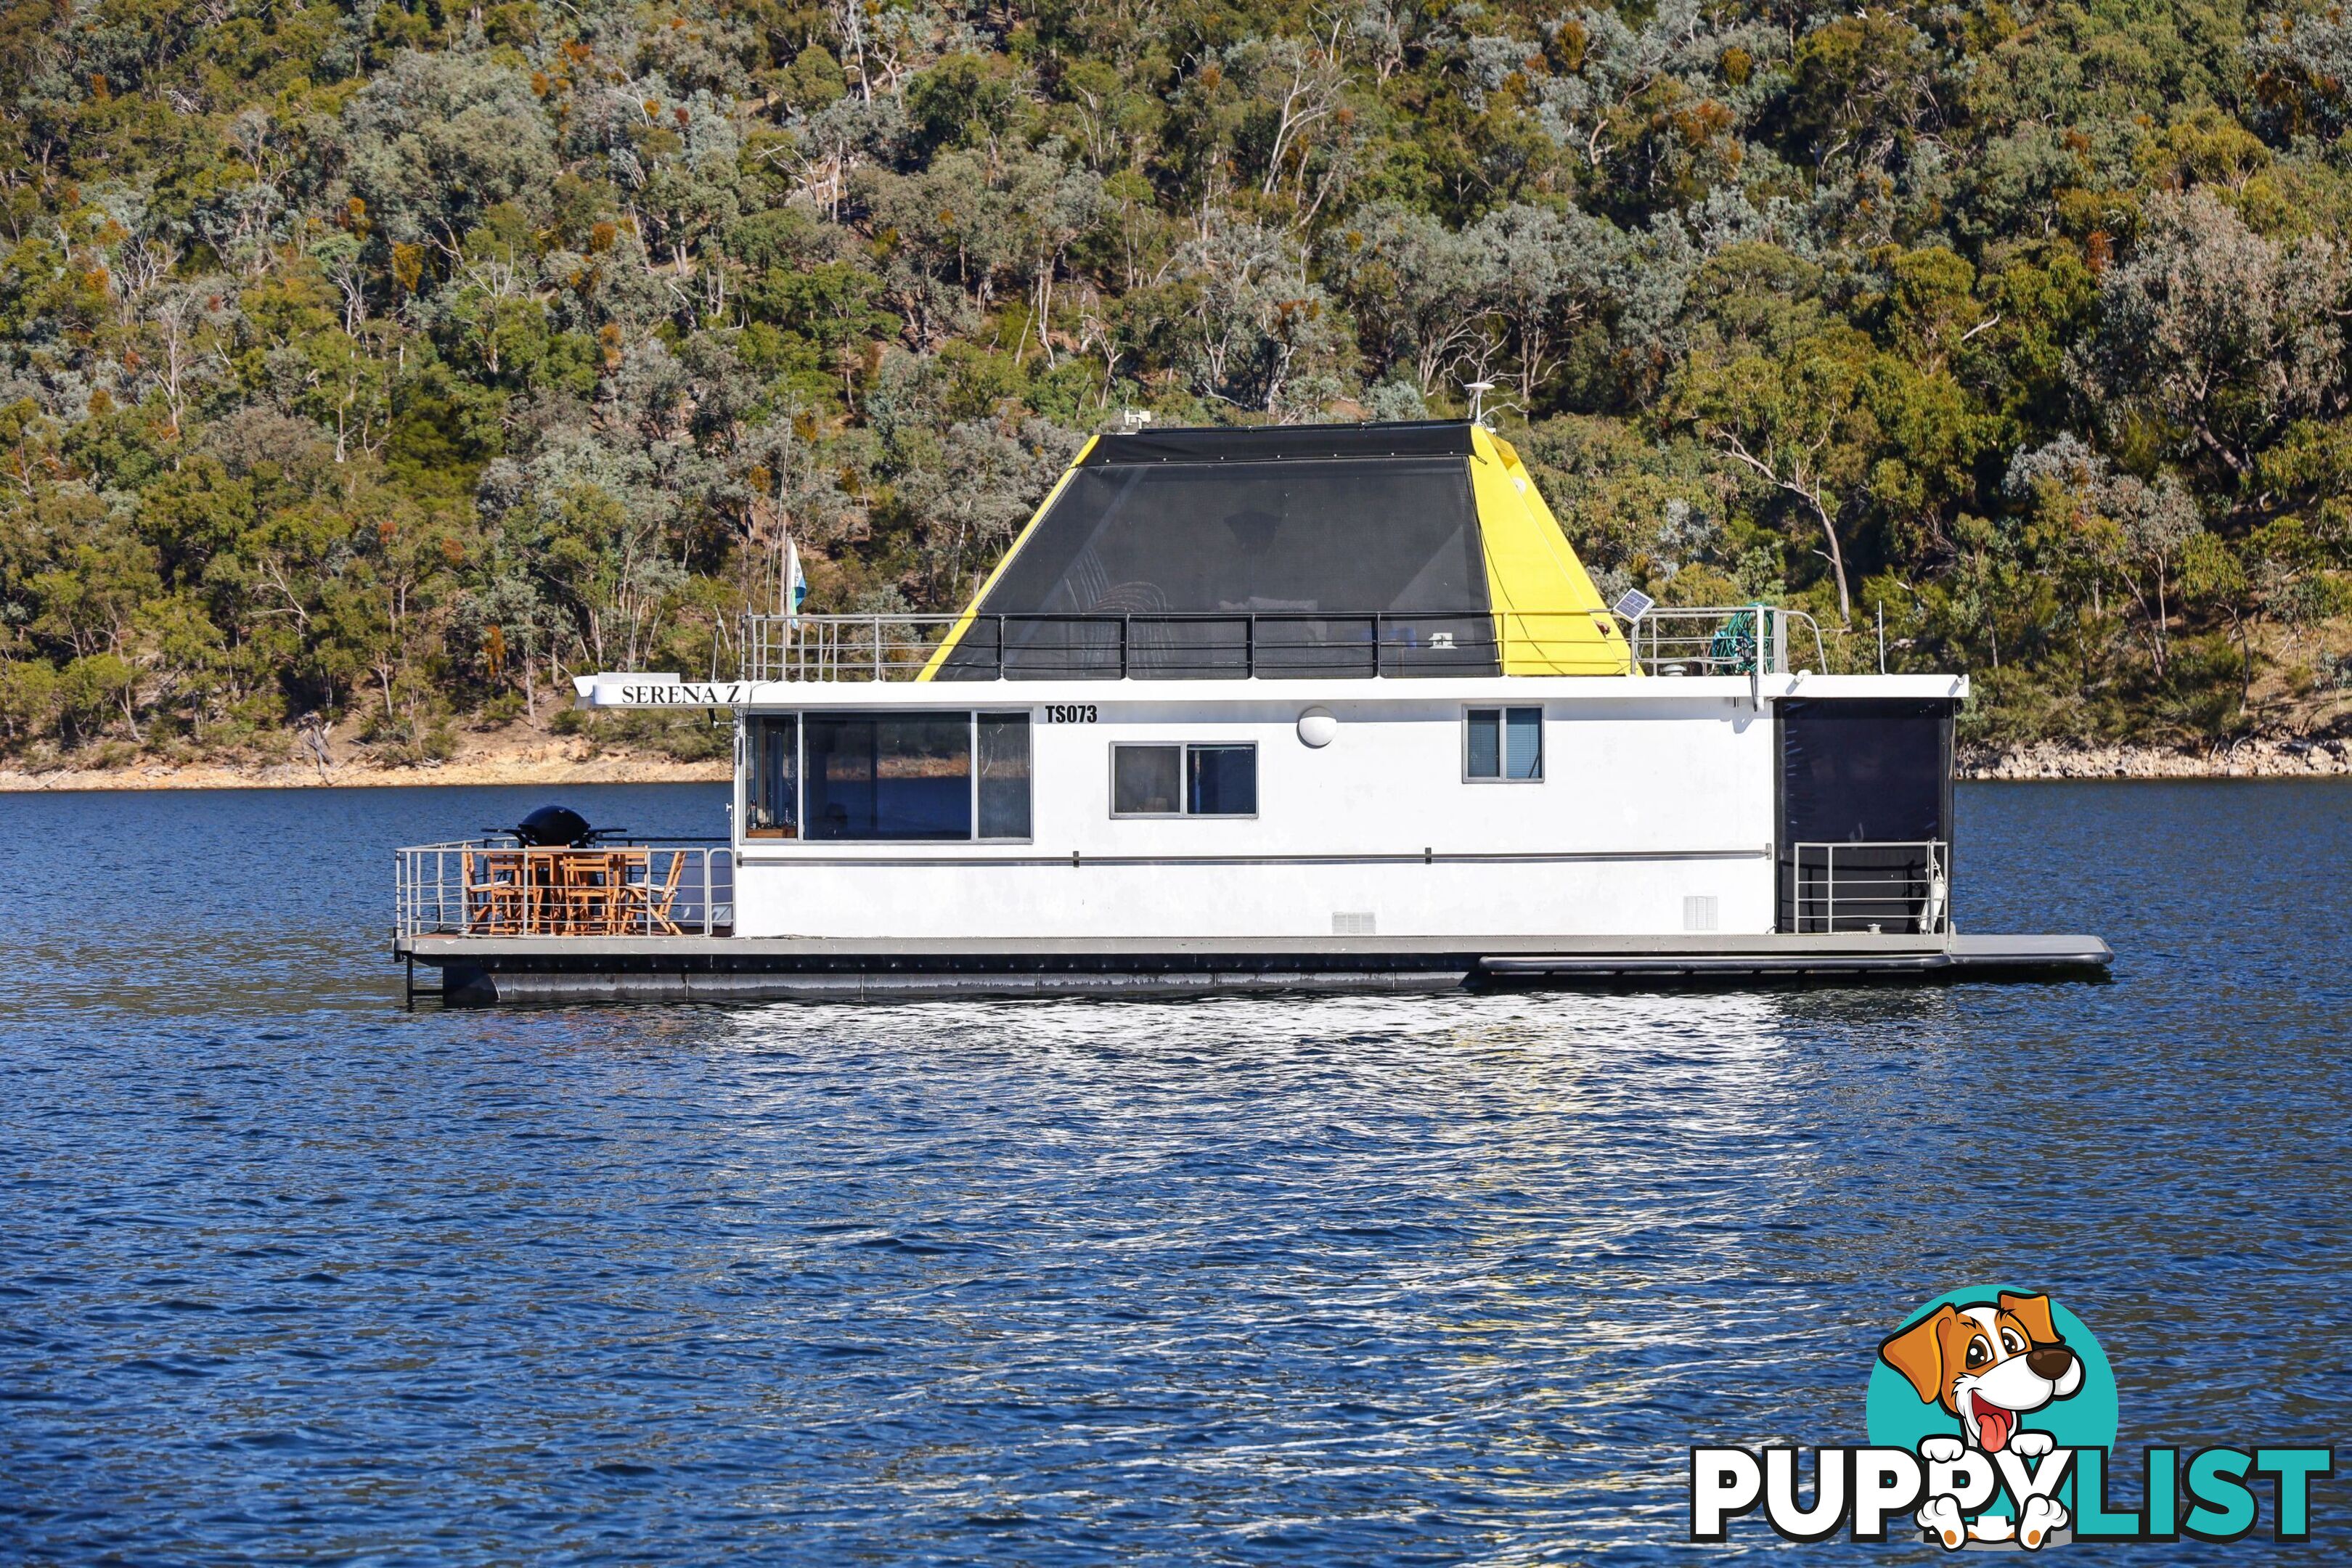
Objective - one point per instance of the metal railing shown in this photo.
(1726, 639)
(841, 648)
(1247, 645)
(499, 886)
(1885, 886)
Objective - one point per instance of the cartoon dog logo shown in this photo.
(1988, 1364)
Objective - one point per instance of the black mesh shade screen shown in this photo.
(1177, 566)
(1852, 769)
(1862, 772)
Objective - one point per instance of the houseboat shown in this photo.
(1294, 709)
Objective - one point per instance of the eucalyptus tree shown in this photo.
(434, 141)
(2219, 336)
(1421, 292)
(1545, 270)
(2137, 533)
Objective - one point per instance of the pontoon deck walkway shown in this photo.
(559, 969)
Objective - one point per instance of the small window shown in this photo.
(1504, 743)
(1146, 781)
(771, 790)
(1183, 781)
(1003, 779)
(1221, 781)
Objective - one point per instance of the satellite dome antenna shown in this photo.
(1477, 390)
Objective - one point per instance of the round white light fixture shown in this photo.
(1317, 728)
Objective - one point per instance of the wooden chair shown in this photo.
(646, 905)
(659, 905)
(494, 891)
(592, 895)
(551, 893)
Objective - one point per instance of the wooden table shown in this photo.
(555, 892)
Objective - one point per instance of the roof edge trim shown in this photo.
(1282, 443)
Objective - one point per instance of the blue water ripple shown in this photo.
(288, 1275)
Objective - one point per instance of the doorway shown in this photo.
(1864, 815)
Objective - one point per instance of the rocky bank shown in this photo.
(2251, 759)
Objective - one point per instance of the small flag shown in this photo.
(795, 582)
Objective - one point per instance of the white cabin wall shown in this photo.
(1684, 783)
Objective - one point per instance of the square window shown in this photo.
(1146, 781)
(1221, 781)
(1503, 743)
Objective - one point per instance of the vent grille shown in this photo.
(1352, 922)
(1699, 912)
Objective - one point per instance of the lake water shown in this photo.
(288, 1274)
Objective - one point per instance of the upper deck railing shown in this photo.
(1739, 639)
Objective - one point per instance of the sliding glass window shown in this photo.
(919, 776)
(1183, 781)
(1003, 789)
(1505, 744)
(888, 776)
(1221, 781)
(1146, 781)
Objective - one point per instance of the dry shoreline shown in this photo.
(553, 762)
(2254, 758)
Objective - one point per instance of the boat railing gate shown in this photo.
(1736, 639)
(1880, 886)
(501, 886)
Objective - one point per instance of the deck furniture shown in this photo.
(657, 902)
(496, 891)
(559, 892)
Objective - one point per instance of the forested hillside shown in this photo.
(395, 360)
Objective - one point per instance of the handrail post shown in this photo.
(1000, 645)
(1126, 637)
(1376, 645)
(1249, 647)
